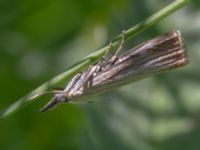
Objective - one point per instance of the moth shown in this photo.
(158, 55)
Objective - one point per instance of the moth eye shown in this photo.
(61, 97)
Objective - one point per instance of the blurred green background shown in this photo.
(40, 39)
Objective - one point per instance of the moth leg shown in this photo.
(110, 47)
(90, 80)
(100, 65)
(104, 59)
(121, 44)
(115, 56)
(84, 78)
(72, 82)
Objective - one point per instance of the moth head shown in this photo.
(59, 97)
